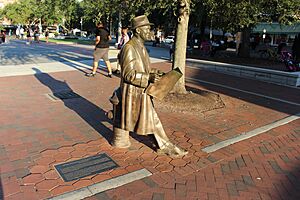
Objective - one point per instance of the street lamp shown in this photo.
(81, 26)
(264, 35)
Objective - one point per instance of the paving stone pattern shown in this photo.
(247, 174)
(38, 133)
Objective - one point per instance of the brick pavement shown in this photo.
(261, 169)
(39, 132)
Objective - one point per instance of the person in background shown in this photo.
(29, 35)
(124, 38)
(296, 49)
(37, 34)
(171, 51)
(205, 47)
(47, 35)
(2, 36)
(101, 50)
(22, 33)
(18, 32)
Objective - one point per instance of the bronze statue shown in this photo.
(133, 106)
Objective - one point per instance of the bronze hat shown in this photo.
(140, 21)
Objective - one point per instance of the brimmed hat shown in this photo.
(140, 21)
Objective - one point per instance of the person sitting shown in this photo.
(215, 45)
(205, 47)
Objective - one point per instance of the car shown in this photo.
(170, 39)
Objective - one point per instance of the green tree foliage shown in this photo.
(283, 11)
(19, 12)
(97, 10)
(48, 11)
(239, 14)
(226, 14)
(51, 12)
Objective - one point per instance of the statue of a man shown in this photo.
(133, 107)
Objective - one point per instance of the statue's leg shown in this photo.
(164, 143)
(121, 138)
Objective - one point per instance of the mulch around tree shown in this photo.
(190, 103)
(197, 102)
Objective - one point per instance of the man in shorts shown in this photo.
(101, 50)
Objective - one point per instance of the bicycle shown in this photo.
(290, 64)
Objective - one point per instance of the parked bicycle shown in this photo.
(290, 64)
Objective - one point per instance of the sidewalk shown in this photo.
(39, 131)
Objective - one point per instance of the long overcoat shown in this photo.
(134, 111)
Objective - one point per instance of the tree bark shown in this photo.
(180, 44)
(244, 50)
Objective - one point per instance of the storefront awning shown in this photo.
(276, 28)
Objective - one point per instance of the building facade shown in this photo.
(277, 33)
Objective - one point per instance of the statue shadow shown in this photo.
(89, 112)
(147, 140)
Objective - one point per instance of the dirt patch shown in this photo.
(192, 103)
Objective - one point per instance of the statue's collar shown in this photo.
(138, 41)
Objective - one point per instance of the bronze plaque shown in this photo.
(85, 167)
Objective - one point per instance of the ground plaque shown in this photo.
(64, 95)
(85, 167)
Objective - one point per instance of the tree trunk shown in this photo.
(180, 44)
(119, 28)
(202, 28)
(244, 50)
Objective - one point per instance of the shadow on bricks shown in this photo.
(1, 189)
(291, 190)
(260, 89)
(89, 112)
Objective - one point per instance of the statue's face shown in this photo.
(145, 33)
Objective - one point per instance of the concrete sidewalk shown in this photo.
(38, 132)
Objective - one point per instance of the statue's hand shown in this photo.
(160, 73)
(154, 77)
(157, 71)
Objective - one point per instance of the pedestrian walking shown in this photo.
(29, 35)
(101, 50)
(37, 34)
(22, 33)
(2, 36)
(124, 38)
(47, 35)
(18, 32)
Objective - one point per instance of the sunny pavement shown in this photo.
(38, 132)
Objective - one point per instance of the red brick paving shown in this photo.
(39, 133)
